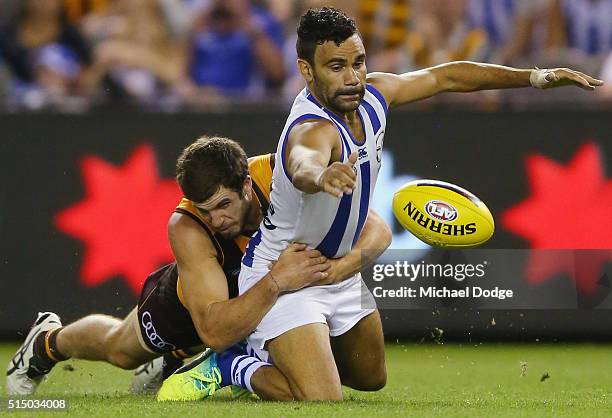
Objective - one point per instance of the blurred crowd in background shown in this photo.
(74, 55)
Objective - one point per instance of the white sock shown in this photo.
(243, 368)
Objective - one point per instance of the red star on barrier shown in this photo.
(569, 208)
(122, 219)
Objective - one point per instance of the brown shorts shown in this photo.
(165, 325)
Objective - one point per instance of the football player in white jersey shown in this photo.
(328, 157)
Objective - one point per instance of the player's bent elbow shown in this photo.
(386, 235)
(208, 331)
(218, 346)
(211, 341)
(214, 341)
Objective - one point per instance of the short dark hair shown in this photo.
(209, 163)
(318, 26)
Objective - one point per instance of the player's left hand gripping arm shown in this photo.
(375, 238)
(464, 76)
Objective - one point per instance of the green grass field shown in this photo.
(468, 380)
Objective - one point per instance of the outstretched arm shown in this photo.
(464, 76)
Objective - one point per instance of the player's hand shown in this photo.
(339, 178)
(334, 274)
(298, 267)
(558, 77)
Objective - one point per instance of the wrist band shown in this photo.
(537, 78)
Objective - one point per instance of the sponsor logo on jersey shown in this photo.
(362, 153)
(380, 138)
(267, 223)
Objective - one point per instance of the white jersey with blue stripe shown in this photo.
(321, 220)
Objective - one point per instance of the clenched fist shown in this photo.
(339, 178)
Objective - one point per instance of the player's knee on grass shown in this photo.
(360, 355)
(373, 381)
(307, 386)
(309, 367)
(271, 385)
(368, 379)
(316, 393)
(373, 376)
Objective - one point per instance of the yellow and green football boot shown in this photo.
(193, 382)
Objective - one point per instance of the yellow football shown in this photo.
(443, 214)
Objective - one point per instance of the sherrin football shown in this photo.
(443, 214)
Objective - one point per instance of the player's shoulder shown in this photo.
(257, 162)
(187, 234)
(379, 77)
(382, 85)
(313, 127)
(261, 168)
(182, 226)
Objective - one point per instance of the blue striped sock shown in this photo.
(243, 368)
(225, 361)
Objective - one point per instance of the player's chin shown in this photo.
(230, 232)
(347, 103)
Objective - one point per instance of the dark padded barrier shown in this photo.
(42, 175)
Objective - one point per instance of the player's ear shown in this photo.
(305, 69)
(247, 187)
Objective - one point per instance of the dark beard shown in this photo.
(338, 105)
(332, 102)
(229, 236)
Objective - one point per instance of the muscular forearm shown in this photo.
(306, 177)
(374, 240)
(226, 323)
(463, 76)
